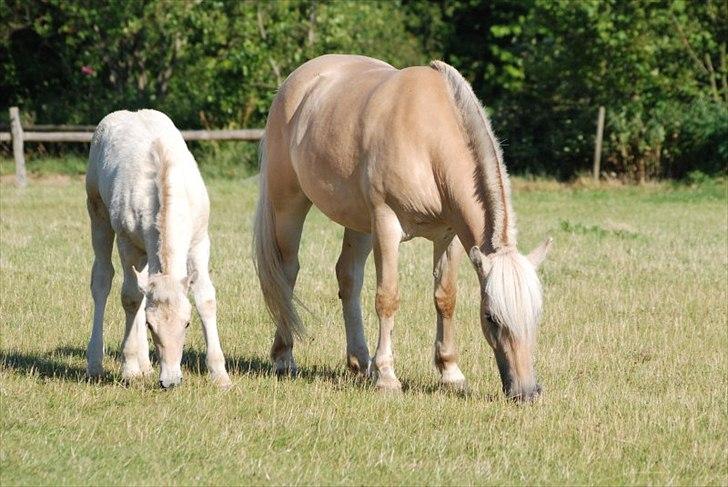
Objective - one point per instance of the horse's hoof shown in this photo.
(459, 387)
(286, 372)
(356, 368)
(94, 375)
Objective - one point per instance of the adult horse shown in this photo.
(391, 155)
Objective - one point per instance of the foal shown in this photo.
(391, 155)
(143, 186)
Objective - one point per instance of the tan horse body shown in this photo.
(391, 155)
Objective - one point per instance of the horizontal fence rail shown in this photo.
(83, 133)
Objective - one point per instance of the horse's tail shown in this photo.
(268, 263)
(486, 151)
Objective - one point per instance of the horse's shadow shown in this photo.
(58, 364)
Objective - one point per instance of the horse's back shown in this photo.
(124, 166)
(355, 128)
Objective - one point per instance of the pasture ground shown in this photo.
(632, 356)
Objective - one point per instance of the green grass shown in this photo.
(632, 356)
(227, 159)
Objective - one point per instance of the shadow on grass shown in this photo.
(58, 365)
(50, 365)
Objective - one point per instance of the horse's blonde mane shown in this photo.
(514, 293)
(487, 153)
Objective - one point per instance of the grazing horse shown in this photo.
(391, 155)
(143, 186)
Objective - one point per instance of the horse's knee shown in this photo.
(346, 280)
(131, 300)
(445, 300)
(101, 277)
(386, 302)
(444, 355)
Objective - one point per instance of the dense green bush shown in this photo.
(542, 67)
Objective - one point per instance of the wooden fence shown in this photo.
(18, 135)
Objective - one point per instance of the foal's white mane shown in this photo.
(512, 286)
(166, 156)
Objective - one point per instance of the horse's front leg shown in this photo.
(206, 304)
(387, 235)
(350, 273)
(447, 255)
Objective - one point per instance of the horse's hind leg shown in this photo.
(135, 353)
(355, 249)
(102, 273)
(447, 255)
(289, 222)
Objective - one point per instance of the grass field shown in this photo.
(633, 357)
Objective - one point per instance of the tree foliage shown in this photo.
(542, 67)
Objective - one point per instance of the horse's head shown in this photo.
(510, 309)
(168, 315)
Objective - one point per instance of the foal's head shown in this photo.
(168, 315)
(510, 309)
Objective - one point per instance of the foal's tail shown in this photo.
(268, 263)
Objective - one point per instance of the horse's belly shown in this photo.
(337, 195)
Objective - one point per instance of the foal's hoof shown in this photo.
(389, 385)
(221, 380)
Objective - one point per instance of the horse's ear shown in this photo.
(481, 262)
(538, 254)
(187, 281)
(142, 280)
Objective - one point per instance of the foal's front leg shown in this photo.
(206, 304)
(135, 351)
(447, 255)
(387, 234)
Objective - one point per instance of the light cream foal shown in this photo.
(144, 187)
(391, 155)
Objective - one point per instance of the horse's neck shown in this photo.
(173, 224)
(471, 215)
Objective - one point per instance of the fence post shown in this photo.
(16, 129)
(598, 144)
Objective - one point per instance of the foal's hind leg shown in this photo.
(447, 255)
(135, 353)
(350, 273)
(102, 273)
(288, 227)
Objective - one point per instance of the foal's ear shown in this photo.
(142, 280)
(538, 254)
(481, 262)
(187, 281)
